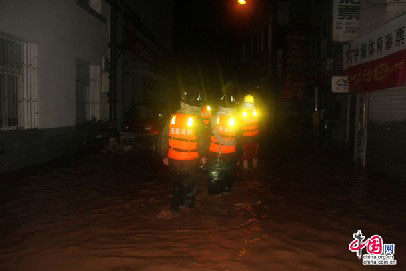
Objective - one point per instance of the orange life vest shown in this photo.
(225, 130)
(250, 124)
(206, 114)
(182, 137)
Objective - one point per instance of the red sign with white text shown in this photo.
(386, 72)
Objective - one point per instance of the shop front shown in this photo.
(376, 66)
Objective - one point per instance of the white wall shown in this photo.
(63, 32)
(375, 13)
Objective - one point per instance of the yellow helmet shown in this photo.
(249, 99)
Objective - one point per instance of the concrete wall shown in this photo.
(386, 136)
(20, 149)
(386, 141)
(63, 32)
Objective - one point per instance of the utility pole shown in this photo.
(113, 62)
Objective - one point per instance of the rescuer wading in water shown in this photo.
(222, 156)
(250, 131)
(183, 147)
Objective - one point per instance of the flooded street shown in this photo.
(313, 93)
(109, 211)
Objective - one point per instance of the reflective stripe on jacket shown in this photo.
(182, 137)
(225, 130)
(250, 125)
(250, 130)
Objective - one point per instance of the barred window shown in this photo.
(88, 88)
(18, 84)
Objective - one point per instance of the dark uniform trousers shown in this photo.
(221, 172)
(185, 179)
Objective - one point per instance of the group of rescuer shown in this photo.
(214, 137)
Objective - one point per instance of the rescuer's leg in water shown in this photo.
(183, 145)
(221, 174)
(250, 131)
(245, 164)
(250, 152)
(255, 157)
(185, 179)
(214, 180)
(223, 147)
(228, 180)
(184, 191)
(178, 193)
(190, 187)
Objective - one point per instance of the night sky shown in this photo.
(204, 33)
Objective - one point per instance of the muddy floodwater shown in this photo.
(109, 211)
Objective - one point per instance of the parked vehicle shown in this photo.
(143, 123)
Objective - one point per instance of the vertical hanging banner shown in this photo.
(346, 15)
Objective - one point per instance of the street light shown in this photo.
(242, 2)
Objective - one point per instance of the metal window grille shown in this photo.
(94, 93)
(18, 84)
(88, 88)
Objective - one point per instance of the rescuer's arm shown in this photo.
(239, 142)
(163, 143)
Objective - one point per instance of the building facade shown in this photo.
(56, 71)
(380, 121)
(290, 57)
(370, 118)
(51, 54)
(145, 52)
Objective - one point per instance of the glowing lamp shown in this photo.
(190, 121)
(242, 2)
(244, 114)
(208, 108)
(231, 122)
(173, 121)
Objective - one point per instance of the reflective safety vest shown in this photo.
(182, 137)
(250, 124)
(225, 127)
(206, 114)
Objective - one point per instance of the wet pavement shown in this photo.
(109, 211)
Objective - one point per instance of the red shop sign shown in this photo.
(387, 72)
